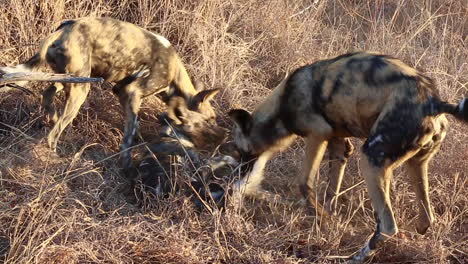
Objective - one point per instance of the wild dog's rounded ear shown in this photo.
(205, 96)
(177, 109)
(242, 118)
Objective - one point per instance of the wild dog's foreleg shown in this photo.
(314, 152)
(48, 97)
(250, 183)
(76, 96)
(339, 150)
(378, 180)
(318, 132)
(130, 99)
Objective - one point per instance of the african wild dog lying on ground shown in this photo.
(365, 95)
(189, 153)
(113, 50)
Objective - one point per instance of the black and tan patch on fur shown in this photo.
(395, 107)
(116, 51)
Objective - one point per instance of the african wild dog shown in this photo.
(113, 50)
(364, 95)
(193, 149)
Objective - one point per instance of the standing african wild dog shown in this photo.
(363, 95)
(114, 50)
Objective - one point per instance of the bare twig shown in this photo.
(46, 77)
(305, 9)
(17, 130)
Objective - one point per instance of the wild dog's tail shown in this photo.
(434, 106)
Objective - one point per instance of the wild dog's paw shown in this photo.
(50, 118)
(256, 193)
(42, 152)
(362, 256)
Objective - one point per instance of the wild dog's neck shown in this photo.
(269, 130)
(182, 80)
(271, 134)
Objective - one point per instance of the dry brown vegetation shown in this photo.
(74, 207)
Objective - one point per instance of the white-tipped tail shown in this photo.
(462, 105)
(162, 40)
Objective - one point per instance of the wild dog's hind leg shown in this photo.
(71, 56)
(339, 150)
(396, 137)
(48, 97)
(378, 186)
(382, 153)
(417, 168)
(130, 99)
(76, 95)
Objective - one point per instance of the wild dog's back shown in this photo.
(351, 90)
(116, 49)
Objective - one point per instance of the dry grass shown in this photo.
(73, 208)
